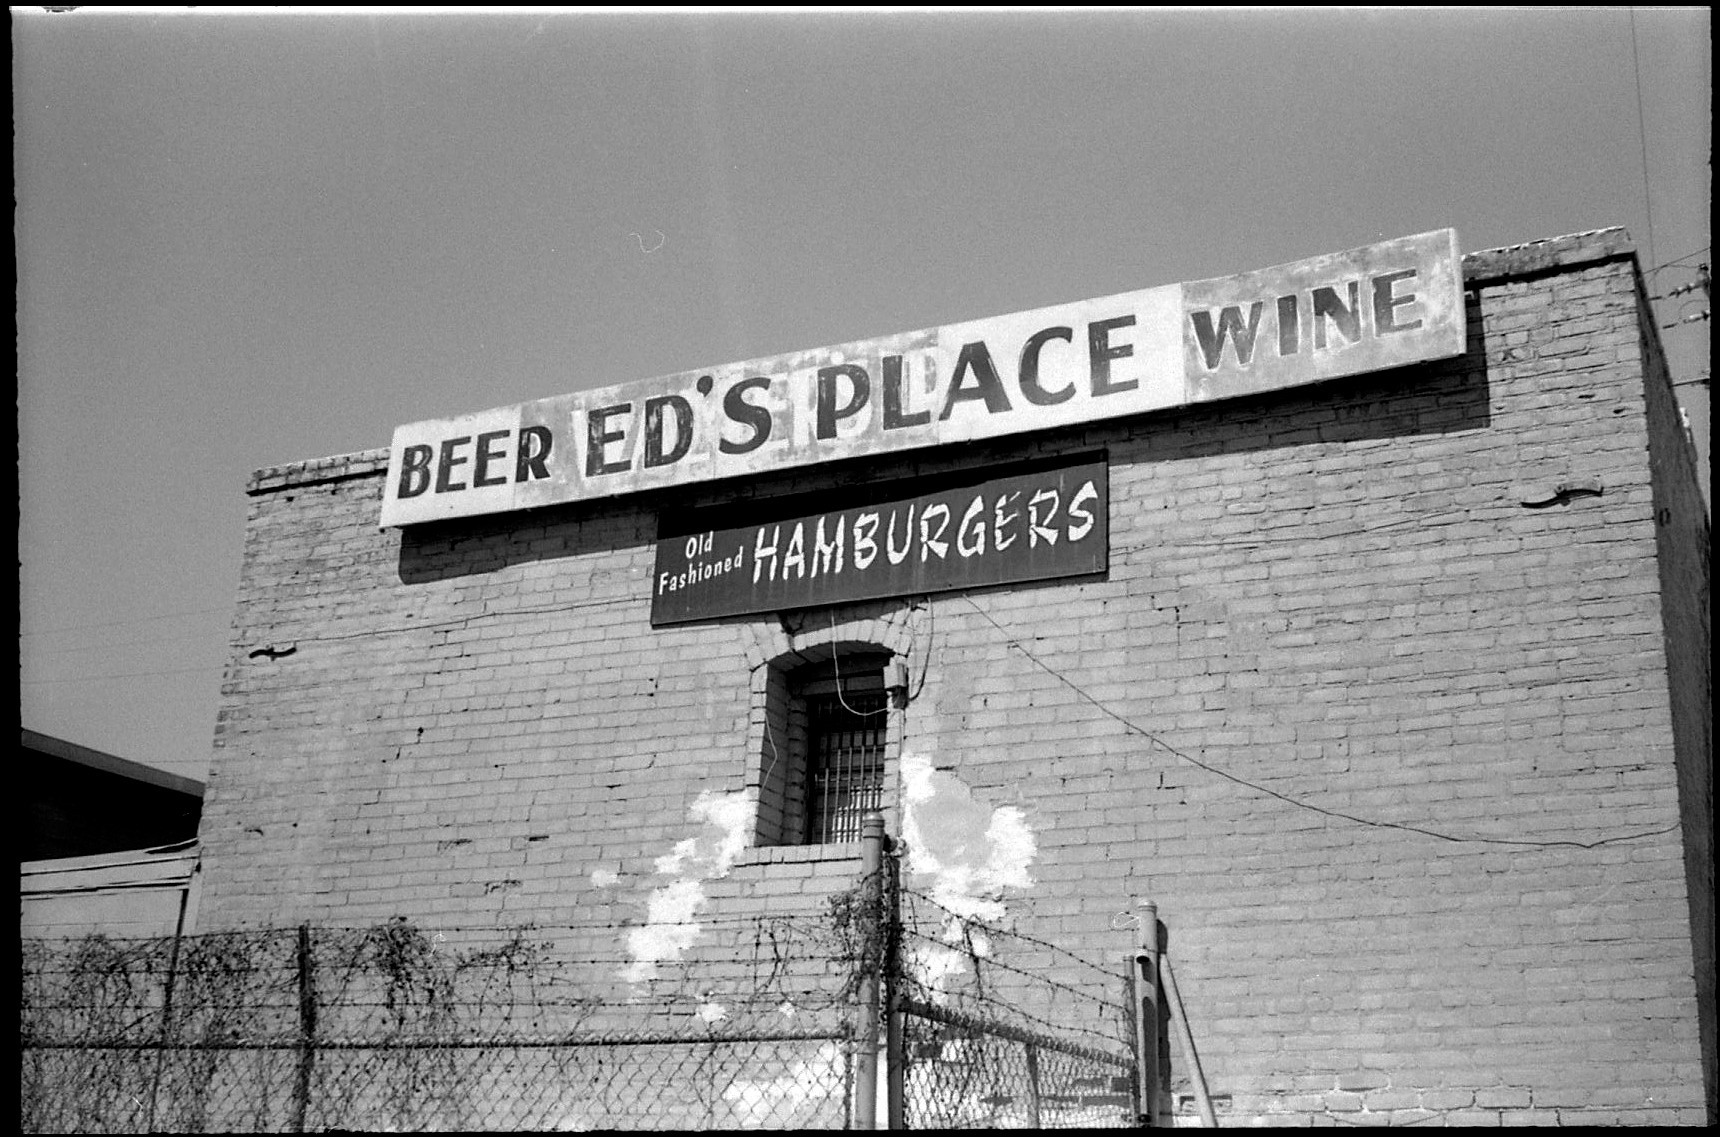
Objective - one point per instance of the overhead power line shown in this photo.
(120, 675)
(1701, 282)
(1642, 134)
(130, 620)
(1678, 262)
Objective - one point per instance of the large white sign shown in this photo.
(1369, 309)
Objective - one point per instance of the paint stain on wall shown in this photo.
(804, 1095)
(967, 851)
(964, 854)
(669, 928)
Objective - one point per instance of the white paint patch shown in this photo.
(713, 1012)
(604, 878)
(932, 966)
(669, 928)
(969, 852)
(807, 1095)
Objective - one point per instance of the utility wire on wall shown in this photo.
(1286, 798)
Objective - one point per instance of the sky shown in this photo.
(251, 237)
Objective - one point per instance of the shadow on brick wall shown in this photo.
(1406, 402)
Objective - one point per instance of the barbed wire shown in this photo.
(1002, 990)
(413, 1027)
(994, 929)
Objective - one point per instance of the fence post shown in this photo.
(871, 897)
(895, 1053)
(307, 1030)
(1147, 1008)
(1032, 1085)
(166, 1017)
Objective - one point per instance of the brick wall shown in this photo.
(1374, 702)
(1682, 532)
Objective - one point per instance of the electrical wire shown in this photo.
(836, 664)
(131, 620)
(1678, 261)
(1287, 798)
(118, 675)
(113, 645)
(1642, 133)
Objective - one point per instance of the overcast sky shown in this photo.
(250, 238)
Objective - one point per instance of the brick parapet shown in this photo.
(1553, 254)
(314, 471)
(1484, 267)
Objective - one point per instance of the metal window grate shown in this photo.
(845, 767)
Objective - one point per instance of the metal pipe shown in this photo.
(973, 1023)
(866, 1042)
(1208, 1118)
(895, 1052)
(1147, 1043)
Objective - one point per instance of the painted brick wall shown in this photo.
(1683, 534)
(1373, 706)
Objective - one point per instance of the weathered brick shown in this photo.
(1378, 670)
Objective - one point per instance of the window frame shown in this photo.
(783, 762)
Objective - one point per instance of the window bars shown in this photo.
(846, 735)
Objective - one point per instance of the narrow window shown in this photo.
(847, 723)
(827, 731)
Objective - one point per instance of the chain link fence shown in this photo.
(388, 1029)
(396, 1028)
(791, 1081)
(989, 1040)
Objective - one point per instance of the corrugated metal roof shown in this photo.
(133, 868)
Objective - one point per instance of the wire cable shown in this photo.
(1642, 133)
(836, 664)
(131, 620)
(1286, 798)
